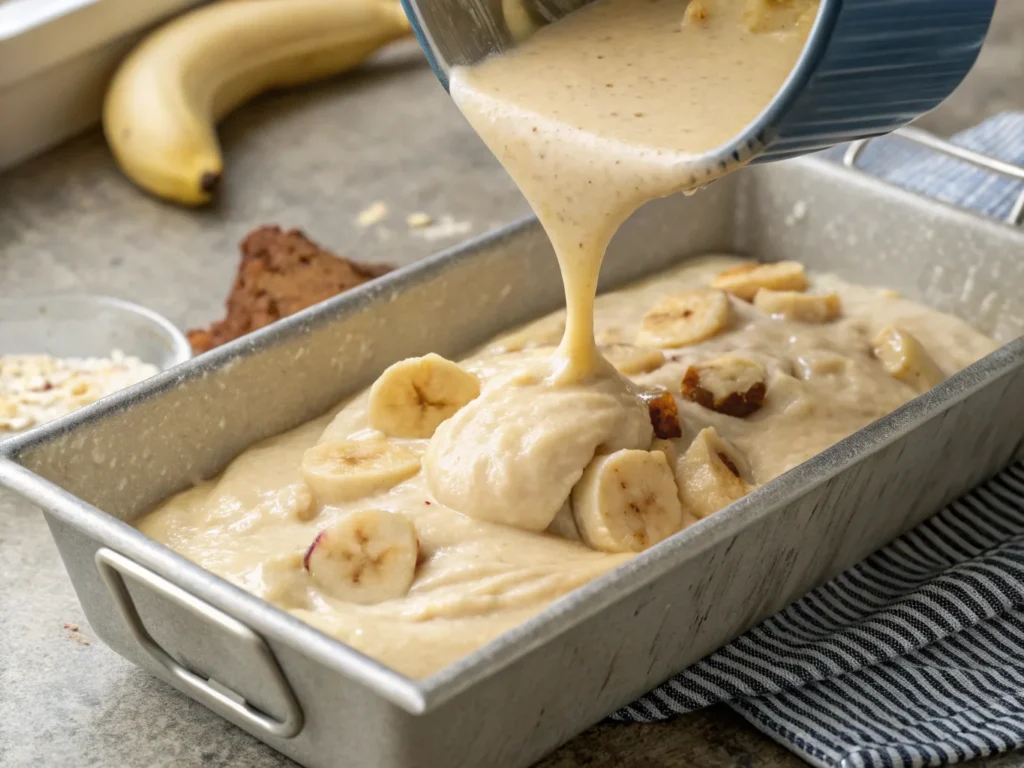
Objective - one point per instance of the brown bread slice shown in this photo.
(279, 274)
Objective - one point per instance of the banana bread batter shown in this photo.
(476, 579)
(451, 502)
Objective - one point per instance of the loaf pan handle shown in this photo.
(978, 160)
(113, 567)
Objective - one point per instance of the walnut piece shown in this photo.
(729, 384)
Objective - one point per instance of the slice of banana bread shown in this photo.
(279, 274)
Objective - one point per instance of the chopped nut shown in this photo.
(798, 307)
(728, 384)
(664, 414)
(745, 280)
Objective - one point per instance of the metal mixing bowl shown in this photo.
(89, 326)
(869, 66)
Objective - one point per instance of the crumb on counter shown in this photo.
(418, 219)
(374, 214)
(446, 227)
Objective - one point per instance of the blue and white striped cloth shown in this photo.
(914, 657)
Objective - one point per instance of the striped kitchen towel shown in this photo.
(914, 657)
(948, 179)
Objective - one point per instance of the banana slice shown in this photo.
(729, 384)
(904, 358)
(664, 414)
(564, 525)
(745, 280)
(710, 474)
(367, 557)
(413, 396)
(685, 318)
(798, 307)
(631, 360)
(345, 470)
(627, 501)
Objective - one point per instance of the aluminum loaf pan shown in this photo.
(320, 702)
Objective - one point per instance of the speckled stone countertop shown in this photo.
(313, 159)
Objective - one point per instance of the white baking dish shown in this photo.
(56, 57)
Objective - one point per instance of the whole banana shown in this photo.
(164, 101)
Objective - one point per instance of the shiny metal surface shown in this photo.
(89, 326)
(115, 569)
(604, 644)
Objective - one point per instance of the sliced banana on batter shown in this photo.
(345, 470)
(745, 280)
(685, 318)
(413, 396)
(627, 501)
(905, 359)
(367, 557)
(729, 384)
(631, 360)
(664, 414)
(798, 307)
(710, 474)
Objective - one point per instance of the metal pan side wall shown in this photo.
(601, 646)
